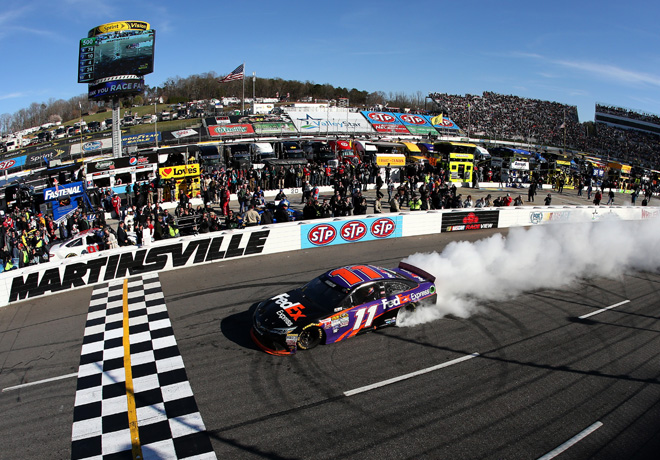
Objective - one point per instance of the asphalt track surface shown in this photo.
(524, 379)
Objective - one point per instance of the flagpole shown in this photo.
(254, 79)
(243, 99)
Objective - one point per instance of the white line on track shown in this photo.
(39, 382)
(408, 376)
(571, 442)
(603, 309)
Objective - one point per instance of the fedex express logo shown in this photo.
(354, 230)
(294, 310)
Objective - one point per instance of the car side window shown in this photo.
(365, 294)
(76, 242)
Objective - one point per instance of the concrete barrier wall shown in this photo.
(91, 269)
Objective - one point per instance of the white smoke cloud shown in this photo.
(542, 257)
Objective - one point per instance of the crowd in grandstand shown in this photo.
(497, 116)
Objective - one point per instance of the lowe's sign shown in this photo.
(55, 193)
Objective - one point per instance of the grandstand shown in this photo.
(498, 116)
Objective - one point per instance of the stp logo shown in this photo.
(413, 119)
(382, 117)
(382, 228)
(322, 234)
(471, 219)
(7, 164)
(353, 230)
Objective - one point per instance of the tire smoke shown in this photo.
(541, 257)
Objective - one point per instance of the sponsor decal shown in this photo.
(322, 234)
(460, 221)
(381, 117)
(7, 164)
(91, 146)
(179, 171)
(284, 318)
(536, 217)
(147, 260)
(366, 229)
(143, 138)
(105, 165)
(650, 214)
(291, 340)
(294, 310)
(382, 228)
(353, 231)
(230, 129)
(62, 191)
(412, 119)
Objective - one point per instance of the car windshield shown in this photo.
(324, 292)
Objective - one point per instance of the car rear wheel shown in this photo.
(309, 338)
(404, 312)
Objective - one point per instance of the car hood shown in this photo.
(288, 310)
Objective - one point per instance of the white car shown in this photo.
(85, 242)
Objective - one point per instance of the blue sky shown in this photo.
(577, 53)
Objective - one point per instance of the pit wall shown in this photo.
(91, 269)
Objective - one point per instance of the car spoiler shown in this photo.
(417, 271)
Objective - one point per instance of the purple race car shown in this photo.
(337, 305)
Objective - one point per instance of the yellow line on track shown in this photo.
(130, 395)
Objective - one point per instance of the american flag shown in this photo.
(236, 74)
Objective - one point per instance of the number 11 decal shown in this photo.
(359, 315)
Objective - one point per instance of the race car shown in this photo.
(339, 304)
(85, 242)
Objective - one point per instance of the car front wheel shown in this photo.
(309, 338)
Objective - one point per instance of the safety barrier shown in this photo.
(170, 254)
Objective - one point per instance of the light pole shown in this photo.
(254, 79)
(156, 121)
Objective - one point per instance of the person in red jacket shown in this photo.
(116, 204)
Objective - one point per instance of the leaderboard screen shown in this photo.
(126, 52)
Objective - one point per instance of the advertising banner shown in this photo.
(445, 124)
(39, 158)
(416, 124)
(230, 130)
(274, 128)
(91, 146)
(349, 231)
(329, 122)
(11, 163)
(122, 162)
(476, 220)
(385, 122)
(184, 133)
(144, 138)
(179, 171)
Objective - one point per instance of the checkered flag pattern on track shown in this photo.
(169, 424)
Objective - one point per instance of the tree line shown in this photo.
(200, 87)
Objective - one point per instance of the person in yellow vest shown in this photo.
(415, 203)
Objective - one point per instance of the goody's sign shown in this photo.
(349, 231)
